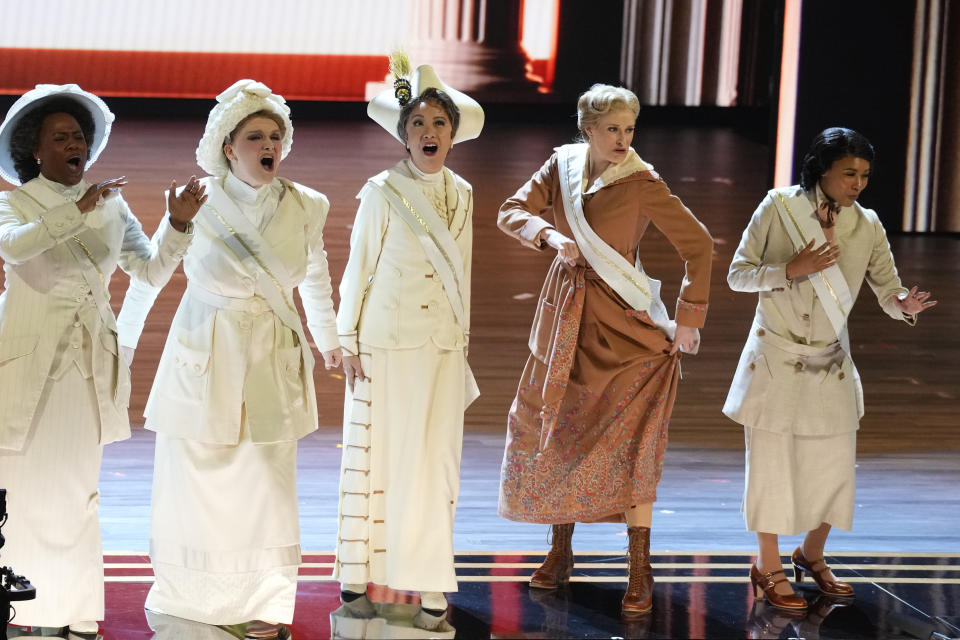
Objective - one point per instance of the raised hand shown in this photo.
(90, 199)
(185, 205)
(566, 248)
(811, 260)
(915, 302)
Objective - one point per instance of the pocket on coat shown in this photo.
(541, 333)
(119, 370)
(13, 348)
(190, 373)
(747, 397)
(290, 363)
(839, 401)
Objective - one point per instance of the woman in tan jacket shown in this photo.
(588, 428)
(807, 250)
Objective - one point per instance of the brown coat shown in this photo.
(587, 430)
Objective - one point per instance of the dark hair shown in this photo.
(26, 135)
(436, 97)
(829, 146)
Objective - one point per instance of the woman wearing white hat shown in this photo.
(234, 388)
(65, 390)
(404, 323)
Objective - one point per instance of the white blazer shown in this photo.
(46, 294)
(207, 374)
(390, 295)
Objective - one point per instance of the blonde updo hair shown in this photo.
(600, 100)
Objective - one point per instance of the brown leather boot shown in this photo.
(558, 565)
(639, 596)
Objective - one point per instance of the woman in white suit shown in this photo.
(404, 324)
(807, 250)
(65, 390)
(234, 388)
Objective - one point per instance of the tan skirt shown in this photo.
(796, 483)
(225, 534)
(53, 531)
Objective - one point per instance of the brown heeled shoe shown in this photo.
(558, 565)
(639, 596)
(818, 569)
(765, 584)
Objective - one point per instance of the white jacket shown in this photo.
(209, 370)
(390, 295)
(46, 294)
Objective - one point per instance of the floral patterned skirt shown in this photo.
(604, 450)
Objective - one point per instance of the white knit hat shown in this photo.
(385, 107)
(233, 105)
(102, 121)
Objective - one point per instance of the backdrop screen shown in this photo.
(304, 49)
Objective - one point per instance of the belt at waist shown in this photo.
(254, 305)
(765, 335)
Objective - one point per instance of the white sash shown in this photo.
(629, 281)
(438, 243)
(221, 215)
(802, 225)
(83, 246)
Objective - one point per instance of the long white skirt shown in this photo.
(796, 483)
(225, 534)
(53, 531)
(400, 471)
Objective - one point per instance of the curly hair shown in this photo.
(435, 97)
(829, 146)
(26, 136)
(601, 99)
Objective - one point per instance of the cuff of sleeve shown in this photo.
(326, 338)
(350, 344)
(63, 221)
(691, 314)
(175, 243)
(531, 232)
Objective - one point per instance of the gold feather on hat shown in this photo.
(400, 68)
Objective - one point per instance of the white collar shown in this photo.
(417, 174)
(70, 192)
(628, 166)
(243, 192)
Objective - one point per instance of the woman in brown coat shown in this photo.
(588, 428)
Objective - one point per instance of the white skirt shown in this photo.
(400, 471)
(225, 535)
(53, 531)
(796, 483)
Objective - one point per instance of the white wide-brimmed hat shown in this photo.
(233, 105)
(36, 97)
(385, 107)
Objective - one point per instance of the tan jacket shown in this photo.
(793, 377)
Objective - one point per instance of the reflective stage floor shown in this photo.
(696, 596)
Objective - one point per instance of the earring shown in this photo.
(38, 162)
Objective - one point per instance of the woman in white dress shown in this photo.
(404, 326)
(65, 390)
(234, 388)
(807, 251)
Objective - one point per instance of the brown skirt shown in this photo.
(600, 450)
